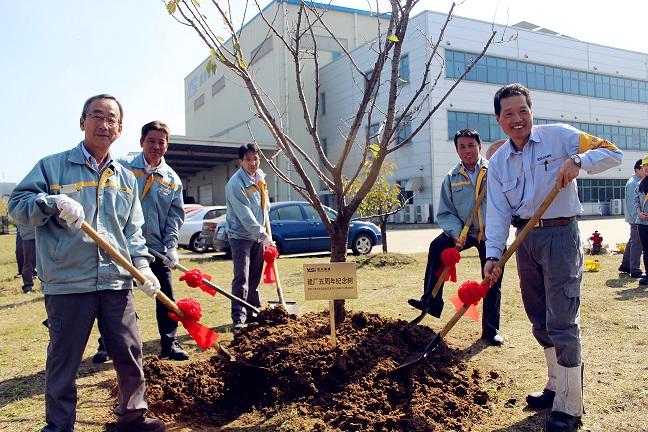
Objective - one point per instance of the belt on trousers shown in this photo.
(543, 223)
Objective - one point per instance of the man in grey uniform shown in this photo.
(522, 173)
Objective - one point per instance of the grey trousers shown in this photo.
(247, 256)
(70, 318)
(550, 267)
(632, 253)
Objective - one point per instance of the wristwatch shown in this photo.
(492, 259)
(576, 159)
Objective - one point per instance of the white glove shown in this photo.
(267, 241)
(71, 211)
(171, 258)
(152, 285)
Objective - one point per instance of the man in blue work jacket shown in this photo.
(81, 282)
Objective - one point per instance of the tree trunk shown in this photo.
(339, 244)
(383, 232)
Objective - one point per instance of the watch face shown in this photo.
(577, 160)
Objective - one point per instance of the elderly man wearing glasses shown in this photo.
(80, 281)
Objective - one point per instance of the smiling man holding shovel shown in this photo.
(80, 281)
(550, 259)
(459, 195)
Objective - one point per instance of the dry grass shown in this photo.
(614, 328)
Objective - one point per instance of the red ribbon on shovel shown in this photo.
(204, 336)
(194, 278)
(269, 256)
(450, 257)
(189, 316)
(470, 293)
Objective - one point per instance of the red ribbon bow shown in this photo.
(450, 257)
(204, 336)
(470, 292)
(270, 254)
(194, 278)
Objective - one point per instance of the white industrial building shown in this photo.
(598, 89)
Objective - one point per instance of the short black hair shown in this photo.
(87, 103)
(249, 147)
(638, 164)
(508, 91)
(467, 133)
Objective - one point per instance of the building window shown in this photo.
(218, 85)
(199, 102)
(404, 75)
(374, 136)
(405, 130)
(625, 138)
(501, 71)
(261, 50)
(600, 190)
(369, 75)
(323, 103)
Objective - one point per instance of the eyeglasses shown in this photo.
(100, 118)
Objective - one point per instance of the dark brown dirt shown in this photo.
(347, 387)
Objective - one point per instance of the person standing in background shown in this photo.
(631, 262)
(28, 235)
(248, 205)
(160, 192)
(19, 253)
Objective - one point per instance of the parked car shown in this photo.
(189, 234)
(297, 228)
(209, 230)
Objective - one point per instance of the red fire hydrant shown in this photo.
(597, 241)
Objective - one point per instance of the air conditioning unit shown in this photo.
(399, 217)
(422, 212)
(616, 206)
(410, 213)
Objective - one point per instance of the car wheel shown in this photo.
(196, 245)
(362, 244)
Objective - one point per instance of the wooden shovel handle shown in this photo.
(114, 253)
(274, 265)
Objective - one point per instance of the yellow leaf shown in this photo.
(204, 16)
(371, 45)
(402, 80)
(220, 38)
(225, 20)
(212, 52)
(171, 7)
(242, 63)
(393, 38)
(195, 2)
(237, 47)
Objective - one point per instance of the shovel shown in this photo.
(291, 307)
(411, 361)
(444, 272)
(210, 284)
(114, 253)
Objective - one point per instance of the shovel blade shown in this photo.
(415, 359)
(291, 307)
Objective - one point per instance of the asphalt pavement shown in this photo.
(412, 238)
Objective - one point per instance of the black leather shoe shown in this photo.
(174, 352)
(417, 304)
(101, 356)
(561, 422)
(624, 269)
(434, 309)
(143, 424)
(496, 340)
(236, 327)
(543, 399)
(637, 275)
(643, 281)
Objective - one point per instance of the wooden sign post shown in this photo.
(330, 281)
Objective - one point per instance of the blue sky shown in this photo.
(55, 54)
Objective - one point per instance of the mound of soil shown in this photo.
(347, 387)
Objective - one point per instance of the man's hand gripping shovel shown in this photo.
(411, 361)
(205, 337)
